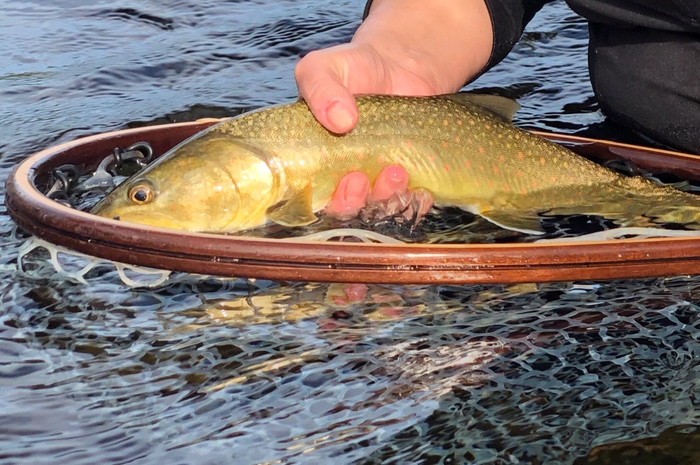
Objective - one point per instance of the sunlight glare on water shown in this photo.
(206, 370)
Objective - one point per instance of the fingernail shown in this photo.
(356, 189)
(350, 196)
(340, 117)
(392, 180)
(397, 176)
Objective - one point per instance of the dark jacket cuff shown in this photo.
(367, 7)
(508, 19)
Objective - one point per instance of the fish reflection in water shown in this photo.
(332, 301)
(348, 319)
(353, 320)
(363, 354)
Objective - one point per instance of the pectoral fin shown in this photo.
(514, 220)
(294, 210)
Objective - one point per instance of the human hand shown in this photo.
(328, 80)
(404, 47)
(388, 196)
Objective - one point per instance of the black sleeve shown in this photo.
(508, 18)
(666, 15)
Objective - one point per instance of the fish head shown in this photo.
(210, 184)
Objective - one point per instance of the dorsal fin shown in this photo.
(501, 106)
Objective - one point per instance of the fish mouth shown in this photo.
(154, 219)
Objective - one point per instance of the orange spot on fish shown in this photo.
(468, 164)
(579, 193)
(488, 126)
(446, 167)
(457, 139)
(444, 144)
(506, 187)
(542, 160)
(334, 175)
(495, 169)
(553, 179)
(445, 122)
(431, 157)
(459, 122)
(534, 184)
(404, 123)
(519, 174)
(481, 167)
(520, 155)
(361, 155)
(380, 160)
(482, 150)
(409, 145)
(523, 191)
(490, 184)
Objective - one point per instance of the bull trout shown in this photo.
(280, 165)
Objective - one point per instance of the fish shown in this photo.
(279, 165)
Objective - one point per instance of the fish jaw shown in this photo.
(153, 219)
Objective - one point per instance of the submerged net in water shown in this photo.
(347, 373)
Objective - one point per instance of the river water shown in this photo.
(212, 371)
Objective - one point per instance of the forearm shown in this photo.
(453, 38)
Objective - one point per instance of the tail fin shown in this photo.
(687, 215)
(639, 212)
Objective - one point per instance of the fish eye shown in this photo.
(141, 194)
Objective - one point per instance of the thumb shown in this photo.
(321, 86)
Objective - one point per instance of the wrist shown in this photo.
(450, 39)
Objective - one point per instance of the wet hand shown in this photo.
(328, 80)
(404, 47)
(388, 196)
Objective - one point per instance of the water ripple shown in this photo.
(131, 14)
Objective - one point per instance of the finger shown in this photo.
(391, 180)
(321, 85)
(356, 292)
(349, 197)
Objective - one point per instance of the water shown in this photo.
(229, 371)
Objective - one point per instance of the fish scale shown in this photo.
(283, 166)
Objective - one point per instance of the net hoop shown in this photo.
(220, 255)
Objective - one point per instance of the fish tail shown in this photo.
(686, 215)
